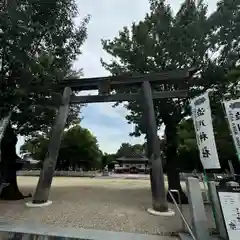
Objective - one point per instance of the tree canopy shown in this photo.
(188, 155)
(38, 44)
(79, 149)
(164, 41)
(128, 150)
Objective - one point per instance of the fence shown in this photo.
(200, 176)
(183, 176)
(59, 173)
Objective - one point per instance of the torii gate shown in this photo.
(105, 85)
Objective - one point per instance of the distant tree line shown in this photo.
(187, 153)
(79, 149)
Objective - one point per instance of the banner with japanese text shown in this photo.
(202, 120)
(232, 108)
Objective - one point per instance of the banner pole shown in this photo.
(210, 198)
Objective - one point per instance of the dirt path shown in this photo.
(102, 204)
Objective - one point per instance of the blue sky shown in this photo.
(108, 17)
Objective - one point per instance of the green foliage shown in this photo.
(128, 150)
(125, 150)
(36, 147)
(225, 24)
(38, 44)
(164, 41)
(108, 160)
(161, 42)
(234, 78)
(79, 149)
(188, 155)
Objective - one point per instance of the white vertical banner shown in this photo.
(202, 120)
(232, 109)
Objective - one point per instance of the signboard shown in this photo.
(229, 198)
(202, 120)
(233, 115)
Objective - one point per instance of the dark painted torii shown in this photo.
(105, 85)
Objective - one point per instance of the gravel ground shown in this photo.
(102, 204)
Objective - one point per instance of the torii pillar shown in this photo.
(159, 200)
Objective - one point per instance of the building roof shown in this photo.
(132, 159)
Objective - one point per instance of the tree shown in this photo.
(79, 149)
(224, 139)
(125, 150)
(188, 154)
(38, 44)
(108, 160)
(138, 150)
(128, 150)
(36, 147)
(225, 23)
(163, 41)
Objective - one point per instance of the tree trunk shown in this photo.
(172, 165)
(9, 166)
(11, 192)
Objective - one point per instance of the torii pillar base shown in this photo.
(169, 213)
(38, 205)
